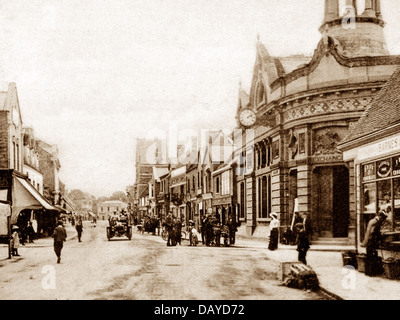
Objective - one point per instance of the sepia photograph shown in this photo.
(199, 157)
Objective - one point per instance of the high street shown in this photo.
(141, 269)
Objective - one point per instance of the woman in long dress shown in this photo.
(274, 232)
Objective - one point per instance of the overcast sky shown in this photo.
(93, 75)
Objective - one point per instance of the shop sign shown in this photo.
(383, 169)
(396, 166)
(327, 158)
(369, 172)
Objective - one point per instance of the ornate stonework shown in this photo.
(326, 107)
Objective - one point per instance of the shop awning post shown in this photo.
(9, 236)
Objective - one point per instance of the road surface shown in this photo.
(141, 269)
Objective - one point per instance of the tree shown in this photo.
(119, 195)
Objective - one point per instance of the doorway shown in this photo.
(330, 197)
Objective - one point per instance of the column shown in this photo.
(378, 9)
(331, 10)
(251, 204)
(352, 3)
(304, 188)
(369, 8)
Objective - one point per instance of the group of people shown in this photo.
(212, 230)
(173, 225)
(301, 228)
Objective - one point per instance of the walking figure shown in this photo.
(59, 236)
(232, 230)
(79, 229)
(304, 232)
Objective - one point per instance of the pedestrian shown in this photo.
(303, 240)
(59, 236)
(30, 232)
(203, 229)
(178, 231)
(169, 224)
(232, 230)
(79, 229)
(372, 241)
(274, 232)
(15, 241)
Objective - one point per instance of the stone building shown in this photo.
(49, 165)
(11, 137)
(301, 115)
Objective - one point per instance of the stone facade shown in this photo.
(302, 117)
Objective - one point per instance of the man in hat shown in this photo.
(304, 233)
(372, 240)
(59, 236)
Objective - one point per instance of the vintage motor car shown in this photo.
(119, 226)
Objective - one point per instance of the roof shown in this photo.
(159, 172)
(382, 112)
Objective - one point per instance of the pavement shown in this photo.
(336, 281)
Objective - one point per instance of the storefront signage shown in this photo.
(369, 172)
(383, 169)
(389, 145)
(328, 158)
(396, 166)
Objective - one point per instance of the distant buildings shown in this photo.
(106, 208)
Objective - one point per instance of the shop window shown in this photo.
(396, 209)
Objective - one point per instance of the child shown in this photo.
(15, 241)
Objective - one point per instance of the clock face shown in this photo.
(247, 117)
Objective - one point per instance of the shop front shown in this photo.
(377, 167)
(25, 204)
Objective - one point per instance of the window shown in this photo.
(217, 185)
(264, 200)
(381, 191)
(225, 183)
(263, 156)
(242, 201)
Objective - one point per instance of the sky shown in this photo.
(94, 75)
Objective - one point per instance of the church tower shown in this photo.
(357, 27)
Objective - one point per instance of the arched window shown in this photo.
(260, 93)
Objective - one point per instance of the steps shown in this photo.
(333, 241)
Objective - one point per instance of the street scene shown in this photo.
(200, 151)
(141, 269)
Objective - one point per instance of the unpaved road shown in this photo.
(141, 269)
